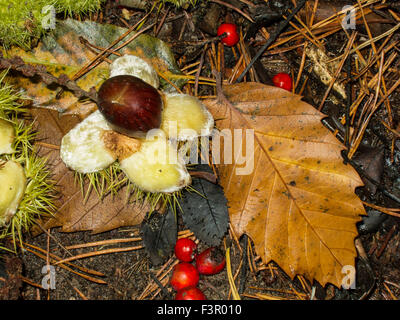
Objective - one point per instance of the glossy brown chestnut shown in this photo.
(130, 105)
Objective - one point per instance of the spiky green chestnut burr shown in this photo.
(26, 190)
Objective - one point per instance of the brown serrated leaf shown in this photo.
(75, 214)
(298, 204)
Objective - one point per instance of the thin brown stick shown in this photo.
(80, 293)
(56, 258)
(302, 63)
(47, 145)
(30, 282)
(390, 129)
(385, 243)
(162, 22)
(228, 5)
(334, 78)
(356, 142)
(198, 71)
(170, 82)
(68, 269)
(390, 292)
(97, 253)
(106, 51)
(101, 243)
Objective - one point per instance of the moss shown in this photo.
(79, 7)
(21, 22)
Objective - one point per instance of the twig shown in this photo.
(161, 22)
(69, 269)
(271, 39)
(161, 286)
(160, 275)
(30, 282)
(233, 8)
(101, 243)
(390, 292)
(97, 253)
(385, 243)
(348, 105)
(198, 72)
(232, 285)
(106, 51)
(16, 63)
(54, 238)
(303, 60)
(55, 257)
(243, 271)
(333, 80)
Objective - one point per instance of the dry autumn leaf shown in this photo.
(298, 204)
(75, 214)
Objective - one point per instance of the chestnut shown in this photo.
(130, 105)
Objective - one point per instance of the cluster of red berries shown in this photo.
(186, 276)
(281, 80)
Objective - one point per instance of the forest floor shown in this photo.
(130, 275)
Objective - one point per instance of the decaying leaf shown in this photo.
(205, 212)
(325, 69)
(159, 232)
(62, 52)
(75, 213)
(298, 203)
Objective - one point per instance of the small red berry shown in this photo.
(210, 261)
(184, 275)
(283, 80)
(185, 249)
(232, 36)
(191, 293)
